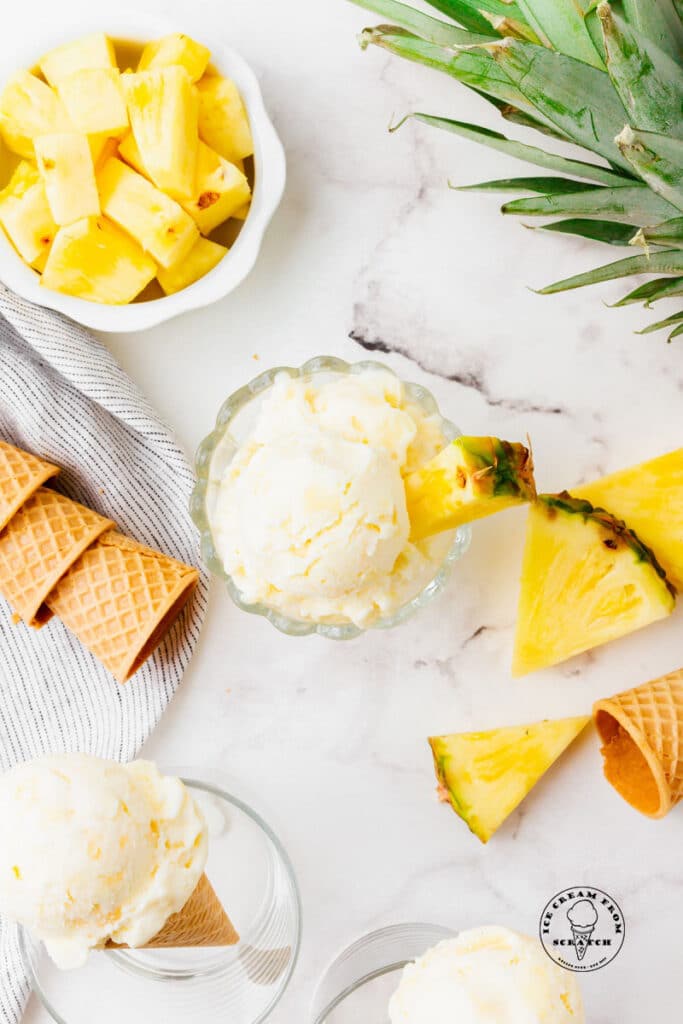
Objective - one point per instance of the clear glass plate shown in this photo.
(252, 875)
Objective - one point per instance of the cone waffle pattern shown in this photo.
(39, 544)
(21, 474)
(120, 598)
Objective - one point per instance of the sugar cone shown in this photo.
(38, 545)
(120, 598)
(642, 734)
(20, 475)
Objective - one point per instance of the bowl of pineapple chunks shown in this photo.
(138, 173)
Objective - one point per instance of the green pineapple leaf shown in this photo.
(471, 14)
(607, 231)
(658, 20)
(633, 203)
(652, 291)
(561, 24)
(432, 29)
(543, 186)
(670, 233)
(658, 160)
(520, 117)
(661, 324)
(675, 334)
(667, 262)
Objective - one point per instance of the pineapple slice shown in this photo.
(93, 260)
(25, 214)
(95, 102)
(176, 49)
(223, 121)
(65, 163)
(473, 477)
(486, 775)
(153, 219)
(203, 258)
(163, 110)
(94, 51)
(29, 108)
(586, 580)
(221, 188)
(649, 497)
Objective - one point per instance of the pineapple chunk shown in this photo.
(65, 163)
(586, 580)
(223, 121)
(649, 497)
(471, 478)
(94, 101)
(203, 258)
(101, 148)
(176, 49)
(29, 108)
(220, 190)
(486, 775)
(243, 212)
(128, 151)
(153, 219)
(93, 260)
(163, 109)
(25, 214)
(94, 51)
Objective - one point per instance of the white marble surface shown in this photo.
(370, 250)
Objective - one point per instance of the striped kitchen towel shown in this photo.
(63, 396)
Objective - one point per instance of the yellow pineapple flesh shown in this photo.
(163, 109)
(28, 108)
(203, 258)
(221, 189)
(25, 215)
(101, 148)
(65, 163)
(486, 775)
(153, 219)
(93, 51)
(93, 260)
(471, 478)
(243, 212)
(649, 498)
(179, 50)
(586, 580)
(223, 121)
(94, 100)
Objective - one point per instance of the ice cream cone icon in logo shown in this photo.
(583, 918)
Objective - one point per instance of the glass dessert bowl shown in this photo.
(317, 399)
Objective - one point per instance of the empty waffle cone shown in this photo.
(642, 734)
(21, 474)
(38, 545)
(120, 599)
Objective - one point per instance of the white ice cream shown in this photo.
(487, 976)
(311, 515)
(92, 850)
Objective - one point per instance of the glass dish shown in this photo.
(233, 424)
(358, 985)
(241, 984)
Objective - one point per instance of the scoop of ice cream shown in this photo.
(92, 850)
(583, 914)
(487, 976)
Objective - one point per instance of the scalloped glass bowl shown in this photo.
(233, 424)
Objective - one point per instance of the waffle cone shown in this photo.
(120, 598)
(642, 734)
(38, 545)
(21, 474)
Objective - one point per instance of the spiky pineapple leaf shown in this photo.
(470, 13)
(522, 118)
(658, 20)
(522, 151)
(608, 231)
(670, 233)
(675, 334)
(648, 81)
(660, 325)
(561, 23)
(652, 291)
(634, 203)
(541, 185)
(432, 29)
(668, 262)
(658, 160)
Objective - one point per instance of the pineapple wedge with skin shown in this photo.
(586, 580)
(649, 498)
(93, 51)
(154, 220)
(163, 108)
(486, 775)
(179, 50)
(223, 120)
(471, 478)
(65, 163)
(94, 100)
(29, 108)
(25, 215)
(93, 260)
(203, 258)
(221, 189)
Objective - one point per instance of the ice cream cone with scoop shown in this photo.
(95, 854)
(583, 918)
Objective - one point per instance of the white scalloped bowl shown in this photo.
(59, 26)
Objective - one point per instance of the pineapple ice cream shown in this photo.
(311, 517)
(487, 976)
(92, 851)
